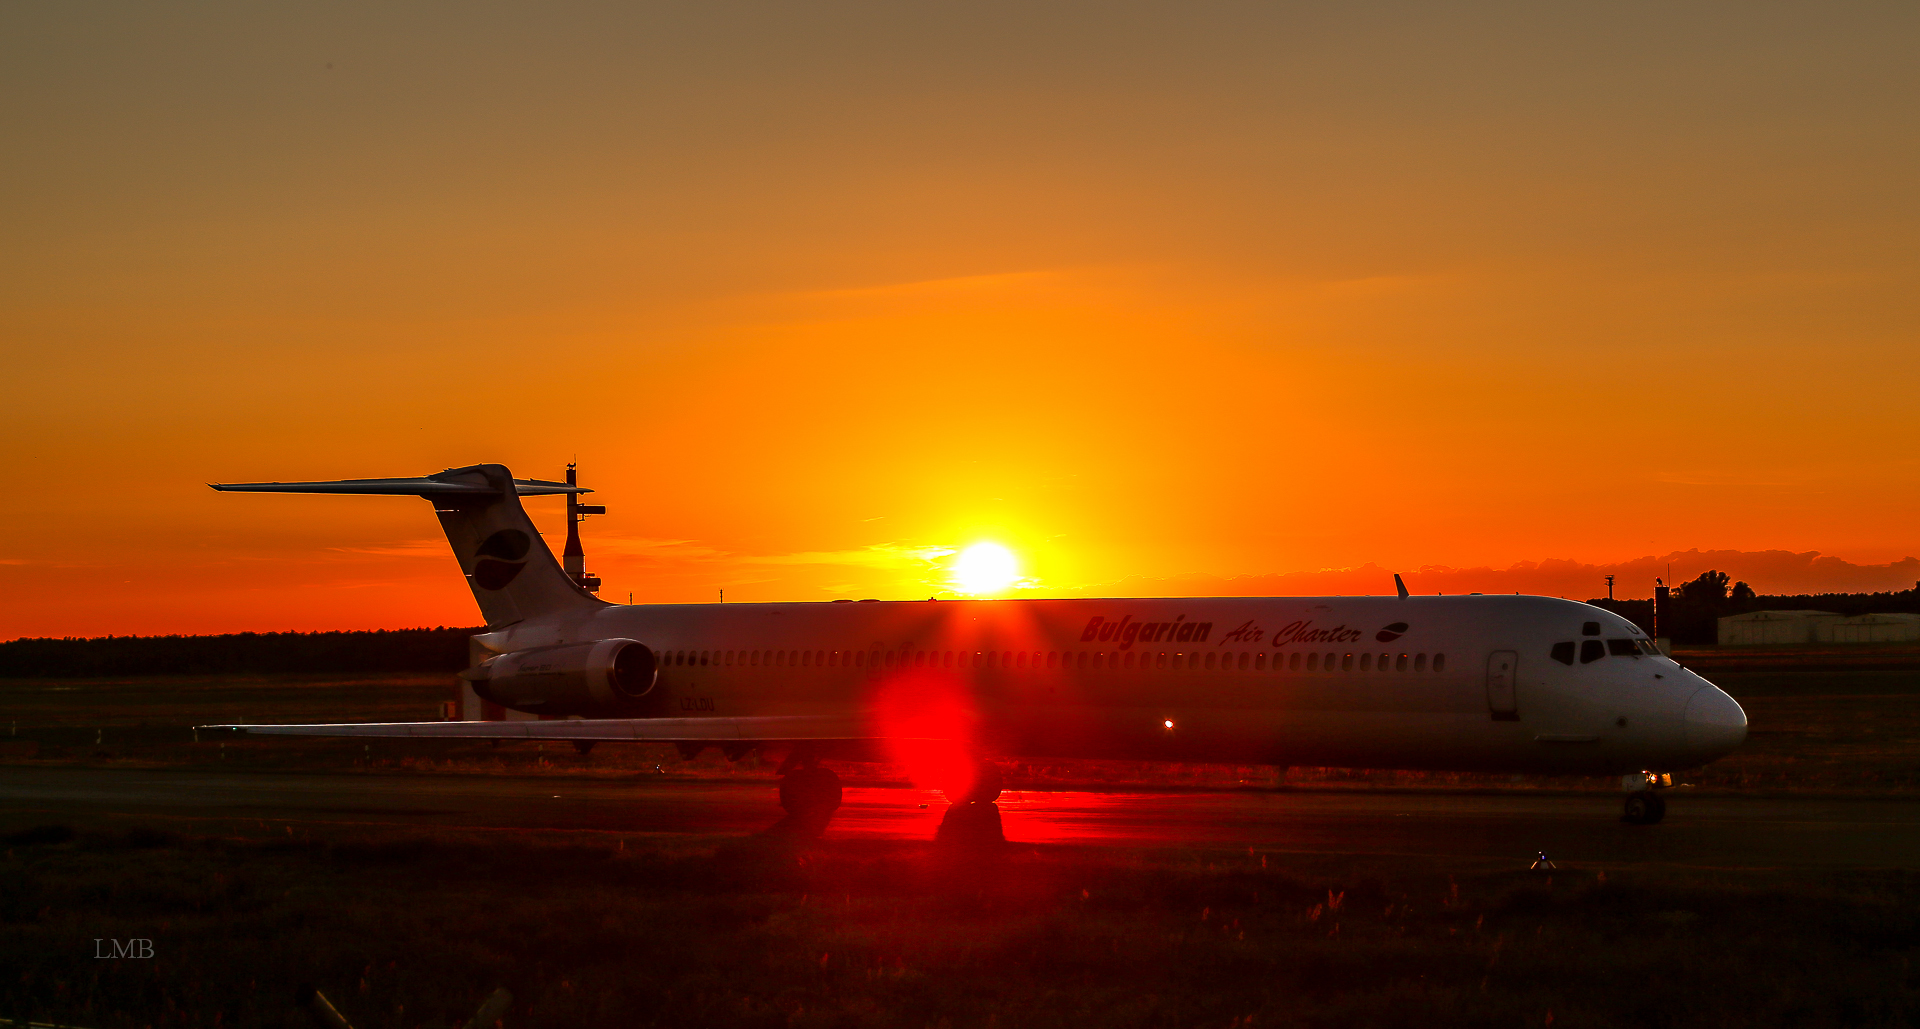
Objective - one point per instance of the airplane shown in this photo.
(1476, 683)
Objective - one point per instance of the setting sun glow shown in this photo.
(985, 568)
(1179, 301)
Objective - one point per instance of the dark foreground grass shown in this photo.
(407, 929)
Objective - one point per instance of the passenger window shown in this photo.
(1563, 652)
(1243, 662)
(1260, 661)
(1313, 662)
(1211, 658)
(1419, 662)
(1081, 660)
(1590, 629)
(1293, 662)
(1591, 651)
(1366, 662)
(1439, 662)
(1160, 660)
(1326, 663)
(1400, 663)
(1623, 648)
(1346, 663)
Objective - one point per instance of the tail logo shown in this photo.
(500, 558)
(1391, 632)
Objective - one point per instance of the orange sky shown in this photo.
(1152, 294)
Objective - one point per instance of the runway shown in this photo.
(1700, 831)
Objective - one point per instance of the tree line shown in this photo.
(439, 649)
(1695, 608)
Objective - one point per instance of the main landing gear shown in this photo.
(974, 818)
(810, 793)
(1644, 805)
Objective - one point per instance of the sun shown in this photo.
(985, 568)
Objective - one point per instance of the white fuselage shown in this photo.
(1497, 683)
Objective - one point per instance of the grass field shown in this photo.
(401, 929)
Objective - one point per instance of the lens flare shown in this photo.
(985, 568)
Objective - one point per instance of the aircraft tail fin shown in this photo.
(508, 566)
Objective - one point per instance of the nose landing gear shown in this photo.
(1645, 806)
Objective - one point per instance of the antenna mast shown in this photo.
(574, 561)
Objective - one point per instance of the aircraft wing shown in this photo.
(763, 729)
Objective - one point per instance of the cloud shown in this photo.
(1769, 572)
(400, 548)
(879, 555)
(886, 556)
(659, 549)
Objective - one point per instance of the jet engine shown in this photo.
(576, 678)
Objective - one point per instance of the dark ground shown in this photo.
(409, 884)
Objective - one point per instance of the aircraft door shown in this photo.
(1503, 668)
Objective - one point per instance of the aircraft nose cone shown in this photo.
(1715, 723)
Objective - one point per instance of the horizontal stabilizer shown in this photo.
(426, 486)
(764, 729)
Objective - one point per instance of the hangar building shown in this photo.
(1777, 628)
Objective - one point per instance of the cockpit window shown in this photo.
(1563, 652)
(1590, 629)
(1649, 648)
(1623, 648)
(1591, 651)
